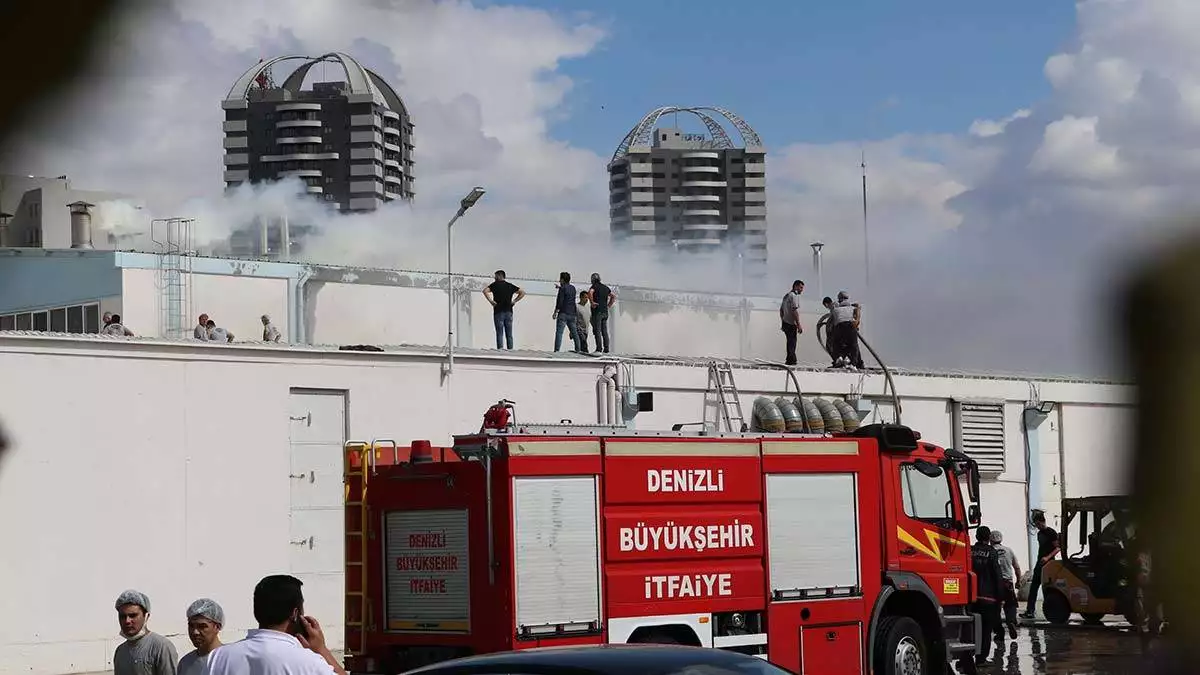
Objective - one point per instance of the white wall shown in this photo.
(236, 303)
(1096, 463)
(176, 482)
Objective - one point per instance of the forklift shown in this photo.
(1097, 579)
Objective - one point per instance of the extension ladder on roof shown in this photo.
(723, 394)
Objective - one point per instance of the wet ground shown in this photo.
(1069, 650)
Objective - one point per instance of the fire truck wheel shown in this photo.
(900, 647)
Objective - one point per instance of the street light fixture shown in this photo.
(816, 247)
(466, 203)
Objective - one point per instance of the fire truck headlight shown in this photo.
(737, 620)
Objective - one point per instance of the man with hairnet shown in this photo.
(1010, 572)
(142, 652)
(204, 620)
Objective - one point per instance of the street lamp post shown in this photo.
(466, 203)
(816, 247)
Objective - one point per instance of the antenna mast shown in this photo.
(866, 232)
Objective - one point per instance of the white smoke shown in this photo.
(526, 243)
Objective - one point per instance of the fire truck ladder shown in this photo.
(359, 458)
(723, 394)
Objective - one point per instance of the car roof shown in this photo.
(645, 658)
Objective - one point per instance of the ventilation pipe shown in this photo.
(81, 224)
(606, 397)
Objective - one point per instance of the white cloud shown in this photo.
(992, 247)
(986, 128)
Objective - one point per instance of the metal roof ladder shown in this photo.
(723, 394)
(359, 458)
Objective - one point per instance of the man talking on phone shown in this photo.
(286, 641)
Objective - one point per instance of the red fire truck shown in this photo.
(824, 554)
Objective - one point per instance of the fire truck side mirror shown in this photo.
(974, 516)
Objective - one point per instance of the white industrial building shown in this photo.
(171, 466)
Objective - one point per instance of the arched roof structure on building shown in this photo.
(359, 79)
(641, 134)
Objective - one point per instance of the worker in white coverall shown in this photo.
(142, 652)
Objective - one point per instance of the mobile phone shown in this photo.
(297, 626)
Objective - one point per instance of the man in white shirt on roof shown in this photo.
(286, 641)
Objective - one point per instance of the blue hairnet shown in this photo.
(209, 609)
(132, 597)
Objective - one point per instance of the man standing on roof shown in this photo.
(564, 312)
(846, 316)
(789, 317)
(602, 298)
(204, 620)
(502, 296)
(142, 652)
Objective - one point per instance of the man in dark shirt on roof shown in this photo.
(502, 295)
(602, 298)
(1047, 540)
(564, 312)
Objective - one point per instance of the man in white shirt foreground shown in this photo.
(285, 643)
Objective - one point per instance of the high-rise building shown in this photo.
(697, 192)
(349, 140)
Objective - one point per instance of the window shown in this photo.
(75, 319)
(91, 318)
(58, 320)
(925, 497)
(7, 322)
(24, 321)
(40, 321)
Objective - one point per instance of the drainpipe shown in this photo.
(606, 392)
(1034, 414)
(297, 307)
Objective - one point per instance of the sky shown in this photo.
(1022, 155)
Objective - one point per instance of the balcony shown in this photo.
(641, 167)
(643, 196)
(704, 183)
(701, 212)
(290, 107)
(701, 169)
(367, 153)
(237, 159)
(301, 173)
(234, 126)
(392, 178)
(364, 121)
(291, 124)
(300, 157)
(755, 167)
(391, 147)
(298, 140)
(373, 136)
(703, 227)
(314, 190)
(698, 242)
(391, 131)
(366, 170)
(237, 175)
(391, 114)
(756, 182)
(696, 198)
(700, 155)
(236, 142)
(756, 211)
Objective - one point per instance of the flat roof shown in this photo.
(438, 351)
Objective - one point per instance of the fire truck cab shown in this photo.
(822, 554)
